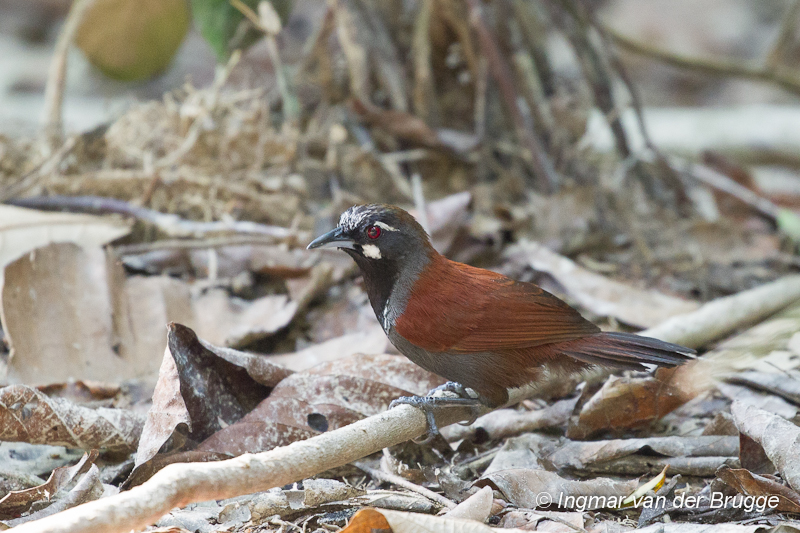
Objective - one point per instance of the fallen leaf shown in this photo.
(382, 520)
(372, 341)
(15, 503)
(27, 415)
(525, 488)
(56, 313)
(88, 488)
(779, 438)
(750, 484)
(477, 507)
(599, 294)
(626, 402)
(328, 396)
(204, 388)
(503, 423)
(229, 321)
(24, 230)
(579, 455)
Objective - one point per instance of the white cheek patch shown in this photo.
(385, 226)
(371, 251)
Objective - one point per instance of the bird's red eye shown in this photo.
(373, 232)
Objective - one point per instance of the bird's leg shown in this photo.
(429, 403)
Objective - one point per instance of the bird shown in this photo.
(476, 328)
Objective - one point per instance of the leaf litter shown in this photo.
(218, 196)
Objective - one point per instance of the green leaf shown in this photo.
(132, 39)
(225, 28)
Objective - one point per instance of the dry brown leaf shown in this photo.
(599, 294)
(57, 315)
(750, 484)
(228, 321)
(27, 415)
(88, 488)
(23, 230)
(372, 341)
(532, 489)
(204, 388)
(477, 507)
(374, 520)
(779, 438)
(328, 396)
(17, 502)
(625, 402)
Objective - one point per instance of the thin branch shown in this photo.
(501, 72)
(784, 78)
(57, 74)
(404, 483)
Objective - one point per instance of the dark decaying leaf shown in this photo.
(15, 503)
(749, 484)
(522, 487)
(27, 415)
(328, 396)
(203, 387)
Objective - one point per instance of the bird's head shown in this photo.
(377, 235)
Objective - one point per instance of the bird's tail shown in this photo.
(628, 351)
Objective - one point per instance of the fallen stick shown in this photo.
(178, 485)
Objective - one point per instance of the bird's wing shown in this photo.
(459, 308)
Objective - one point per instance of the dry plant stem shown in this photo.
(419, 202)
(170, 224)
(786, 79)
(180, 484)
(723, 183)
(404, 483)
(57, 74)
(501, 73)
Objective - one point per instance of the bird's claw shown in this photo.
(429, 403)
(426, 405)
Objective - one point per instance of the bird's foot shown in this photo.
(430, 404)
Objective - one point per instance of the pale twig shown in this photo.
(787, 79)
(386, 477)
(268, 21)
(721, 182)
(180, 484)
(57, 74)
(501, 72)
(419, 202)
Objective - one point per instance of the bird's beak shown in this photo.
(336, 238)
